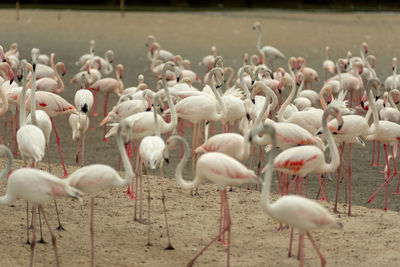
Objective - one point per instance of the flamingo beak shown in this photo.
(248, 116)
(104, 121)
(252, 82)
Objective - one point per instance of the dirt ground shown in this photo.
(120, 241)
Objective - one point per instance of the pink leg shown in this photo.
(301, 249)
(227, 228)
(91, 227)
(387, 177)
(59, 147)
(320, 186)
(105, 114)
(95, 114)
(323, 261)
(260, 156)
(373, 153)
(349, 175)
(5, 128)
(291, 242)
(338, 178)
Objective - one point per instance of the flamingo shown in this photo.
(310, 74)
(54, 105)
(164, 54)
(328, 65)
(107, 86)
(390, 111)
(309, 119)
(151, 155)
(386, 132)
(208, 61)
(392, 82)
(269, 52)
(49, 84)
(94, 178)
(38, 187)
(296, 211)
(142, 124)
(220, 169)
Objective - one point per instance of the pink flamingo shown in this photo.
(164, 54)
(310, 74)
(38, 187)
(107, 86)
(392, 82)
(94, 178)
(304, 160)
(54, 105)
(85, 57)
(52, 85)
(296, 211)
(386, 132)
(208, 61)
(220, 169)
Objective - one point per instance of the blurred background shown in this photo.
(199, 5)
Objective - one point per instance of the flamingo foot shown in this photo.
(95, 114)
(376, 165)
(106, 140)
(65, 174)
(170, 247)
(91, 128)
(41, 241)
(396, 193)
(60, 228)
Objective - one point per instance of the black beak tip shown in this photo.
(362, 104)
(34, 67)
(248, 117)
(19, 78)
(252, 82)
(218, 86)
(11, 81)
(250, 138)
(377, 97)
(253, 100)
(340, 127)
(148, 109)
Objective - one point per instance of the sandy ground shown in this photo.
(295, 33)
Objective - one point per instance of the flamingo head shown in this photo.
(394, 63)
(365, 47)
(63, 70)
(256, 25)
(360, 69)
(293, 63)
(10, 74)
(299, 62)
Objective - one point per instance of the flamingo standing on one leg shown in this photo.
(220, 169)
(296, 211)
(35, 186)
(107, 86)
(94, 178)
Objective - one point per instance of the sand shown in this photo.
(368, 237)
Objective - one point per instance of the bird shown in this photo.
(54, 105)
(328, 65)
(164, 54)
(105, 63)
(392, 82)
(296, 211)
(310, 74)
(50, 84)
(220, 169)
(270, 53)
(106, 86)
(85, 57)
(38, 187)
(94, 178)
(151, 155)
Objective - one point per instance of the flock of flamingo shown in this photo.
(294, 133)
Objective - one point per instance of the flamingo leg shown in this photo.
(91, 228)
(169, 247)
(140, 190)
(41, 232)
(53, 236)
(83, 149)
(291, 242)
(59, 147)
(349, 175)
(338, 178)
(301, 249)
(33, 243)
(27, 223)
(148, 211)
(320, 186)
(136, 185)
(48, 157)
(105, 114)
(323, 261)
(227, 228)
(60, 227)
(373, 153)
(95, 114)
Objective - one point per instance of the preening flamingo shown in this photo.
(38, 187)
(94, 178)
(296, 211)
(220, 169)
(151, 155)
(164, 54)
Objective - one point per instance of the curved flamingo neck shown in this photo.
(321, 96)
(155, 58)
(33, 93)
(230, 77)
(124, 157)
(59, 80)
(221, 115)
(291, 61)
(118, 75)
(326, 53)
(242, 82)
(258, 46)
(269, 94)
(288, 100)
(156, 100)
(339, 74)
(178, 171)
(300, 89)
(372, 105)
(174, 119)
(334, 153)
